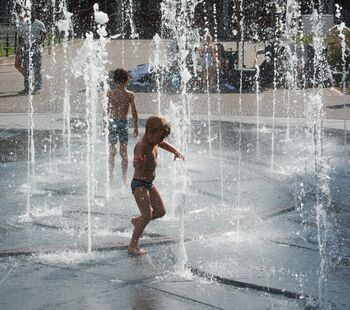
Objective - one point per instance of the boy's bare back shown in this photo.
(119, 102)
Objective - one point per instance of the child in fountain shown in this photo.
(146, 194)
(119, 101)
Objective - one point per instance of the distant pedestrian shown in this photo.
(21, 24)
(209, 64)
(33, 33)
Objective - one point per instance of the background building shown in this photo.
(144, 18)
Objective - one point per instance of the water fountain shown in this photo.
(91, 64)
(30, 125)
(65, 26)
(260, 201)
(50, 77)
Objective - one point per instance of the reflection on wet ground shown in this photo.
(261, 250)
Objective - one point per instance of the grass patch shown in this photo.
(11, 51)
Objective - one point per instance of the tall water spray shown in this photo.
(241, 60)
(218, 104)
(30, 121)
(122, 21)
(51, 77)
(276, 50)
(342, 30)
(91, 64)
(290, 50)
(65, 26)
(207, 87)
(290, 54)
(177, 23)
(316, 117)
(130, 17)
(257, 96)
(157, 67)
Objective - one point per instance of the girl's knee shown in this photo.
(148, 216)
(162, 213)
(158, 215)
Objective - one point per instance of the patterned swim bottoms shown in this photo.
(118, 130)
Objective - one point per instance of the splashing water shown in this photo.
(65, 25)
(342, 29)
(180, 30)
(323, 199)
(30, 123)
(91, 65)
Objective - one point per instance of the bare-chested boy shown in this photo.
(146, 194)
(119, 101)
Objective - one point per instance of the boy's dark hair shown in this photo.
(158, 123)
(120, 76)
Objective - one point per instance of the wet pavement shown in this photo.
(116, 281)
(254, 255)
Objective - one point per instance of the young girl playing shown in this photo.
(146, 194)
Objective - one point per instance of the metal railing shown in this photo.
(8, 37)
(8, 41)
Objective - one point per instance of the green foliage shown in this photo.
(3, 52)
(333, 51)
(333, 44)
(303, 39)
(12, 51)
(333, 47)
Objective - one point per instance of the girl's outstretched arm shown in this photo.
(168, 147)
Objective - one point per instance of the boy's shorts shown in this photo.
(118, 130)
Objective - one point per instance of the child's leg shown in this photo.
(204, 79)
(143, 201)
(124, 156)
(112, 152)
(157, 204)
(37, 69)
(25, 63)
(134, 220)
(18, 61)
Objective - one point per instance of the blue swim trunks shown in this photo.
(137, 183)
(118, 130)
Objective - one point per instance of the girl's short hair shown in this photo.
(121, 76)
(158, 123)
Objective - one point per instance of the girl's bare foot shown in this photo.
(136, 251)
